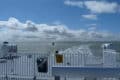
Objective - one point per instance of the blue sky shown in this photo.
(49, 11)
(75, 14)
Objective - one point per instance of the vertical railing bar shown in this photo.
(34, 78)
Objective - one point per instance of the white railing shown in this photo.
(78, 60)
(109, 58)
(26, 66)
(71, 60)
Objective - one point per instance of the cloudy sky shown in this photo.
(60, 19)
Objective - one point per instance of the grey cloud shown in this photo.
(31, 26)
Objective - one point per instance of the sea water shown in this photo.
(47, 47)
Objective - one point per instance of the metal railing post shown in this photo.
(34, 78)
(6, 77)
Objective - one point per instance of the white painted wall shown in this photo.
(109, 58)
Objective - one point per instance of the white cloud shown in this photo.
(74, 3)
(13, 29)
(93, 24)
(92, 28)
(90, 16)
(95, 6)
(101, 6)
(57, 22)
